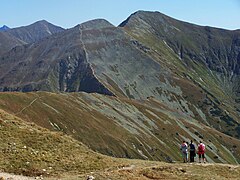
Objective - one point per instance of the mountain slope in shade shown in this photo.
(4, 28)
(35, 31)
(61, 61)
(7, 42)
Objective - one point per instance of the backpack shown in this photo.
(201, 148)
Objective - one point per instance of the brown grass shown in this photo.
(30, 150)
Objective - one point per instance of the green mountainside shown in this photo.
(207, 57)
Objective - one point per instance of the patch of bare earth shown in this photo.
(7, 176)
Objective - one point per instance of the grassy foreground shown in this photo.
(30, 150)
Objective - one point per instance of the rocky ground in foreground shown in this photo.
(145, 170)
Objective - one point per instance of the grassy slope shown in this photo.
(120, 127)
(31, 150)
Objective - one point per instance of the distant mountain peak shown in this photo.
(96, 24)
(4, 28)
(43, 22)
(36, 31)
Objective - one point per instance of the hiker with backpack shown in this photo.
(192, 150)
(184, 150)
(201, 152)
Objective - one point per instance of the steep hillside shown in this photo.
(33, 151)
(204, 56)
(197, 47)
(34, 32)
(120, 127)
(7, 42)
(61, 65)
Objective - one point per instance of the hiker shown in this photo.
(201, 152)
(192, 150)
(184, 150)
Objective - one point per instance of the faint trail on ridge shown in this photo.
(28, 105)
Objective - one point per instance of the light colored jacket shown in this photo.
(184, 148)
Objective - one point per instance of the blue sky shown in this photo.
(68, 13)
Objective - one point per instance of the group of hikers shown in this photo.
(190, 149)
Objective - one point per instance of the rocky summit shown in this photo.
(132, 91)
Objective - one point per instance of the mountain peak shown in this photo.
(42, 22)
(4, 28)
(151, 15)
(96, 24)
(35, 31)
